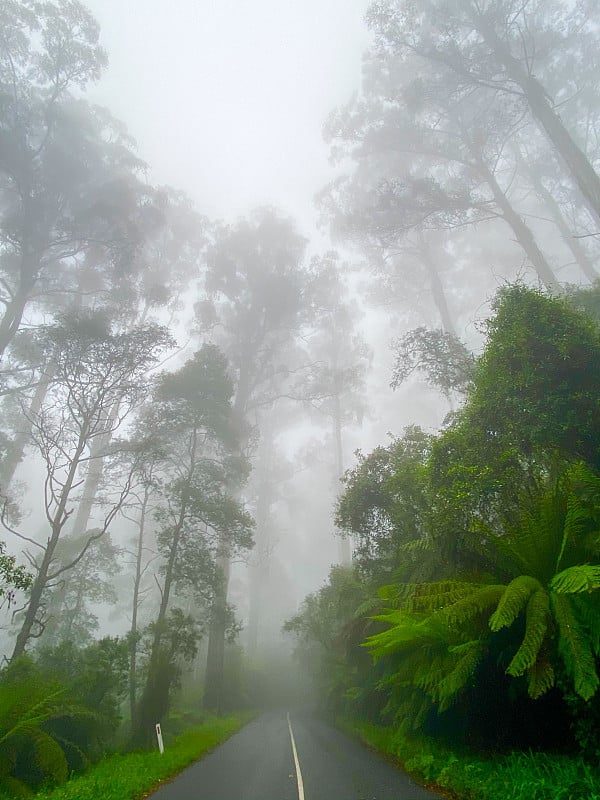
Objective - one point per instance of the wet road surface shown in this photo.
(292, 756)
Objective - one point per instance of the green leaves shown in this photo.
(513, 601)
(575, 647)
(574, 580)
(536, 627)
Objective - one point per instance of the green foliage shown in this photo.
(96, 678)
(32, 752)
(533, 386)
(441, 356)
(514, 599)
(385, 506)
(486, 539)
(516, 776)
(12, 576)
(444, 640)
(134, 775)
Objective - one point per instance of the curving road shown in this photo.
(292, 756)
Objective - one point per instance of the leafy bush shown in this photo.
(31, 753)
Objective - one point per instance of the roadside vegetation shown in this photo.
(132, 776)
(469, 622)
(470, 776)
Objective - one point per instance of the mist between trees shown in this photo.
(183, 399)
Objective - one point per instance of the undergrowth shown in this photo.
(516, 776)
(132, 776)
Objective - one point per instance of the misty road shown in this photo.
(292, 757)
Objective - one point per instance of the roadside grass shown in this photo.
(132, 776)
(468, 776)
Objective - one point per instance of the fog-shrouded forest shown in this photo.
(300, 384)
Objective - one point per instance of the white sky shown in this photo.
(227, 98)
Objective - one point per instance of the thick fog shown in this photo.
(227, 99)
(258, 243)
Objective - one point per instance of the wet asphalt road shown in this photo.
(257, 763)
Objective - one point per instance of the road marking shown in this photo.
(296, 762)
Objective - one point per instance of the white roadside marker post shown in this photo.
(161, 746)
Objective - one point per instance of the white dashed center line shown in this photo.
(296, 762)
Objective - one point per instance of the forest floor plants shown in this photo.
(467, 775)
(132, 776)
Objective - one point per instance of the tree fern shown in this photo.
(513, 601)
(425, 597)
(575, 647)
(587, 608)
(536, 628)
(467, 608)
(407, 631)
(541, 676)
(466, 657)
(31, 751)
(574, 580)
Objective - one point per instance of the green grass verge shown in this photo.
(465, 775)
(133, 775)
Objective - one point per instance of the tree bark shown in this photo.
(133, 631)
(41, 579)
(215, 657)
(11, 321)
(259, 572)
(572, 243)
(215, 654)
(574, 158)
(94, 474)
(437, 287)
(17, 448)
(522, 232)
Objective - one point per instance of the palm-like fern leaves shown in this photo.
(440, 629)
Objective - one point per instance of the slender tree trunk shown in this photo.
(522, 232)
(11, 321)
(539, 103)
(572, 243)
(22, 437)
(154, 701)
(41, 579)
(259, 571)
(215, 656)
(437, 287)
(344, 549)
(72, 614)
(94, 474)
(133, 631)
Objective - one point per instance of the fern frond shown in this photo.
(575, 647)
(575, 524)
(469, 656)
(533, 545)
(429, 596)
(394, 594)
(574, 580)
(587, 607)
(513, 601)
(541, 677)
(367, 607)
(418, 546)
(436, 596)
(407, 631)
(469, 607)
(49, 757)
(536, 627)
